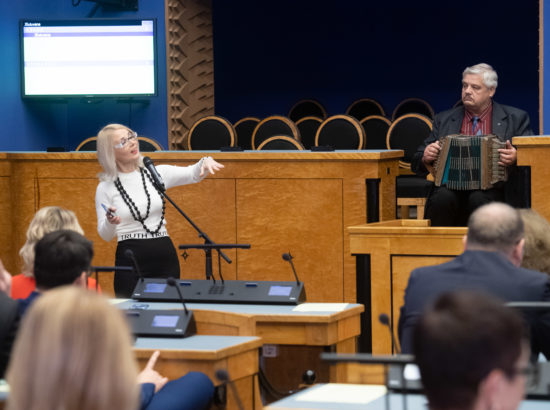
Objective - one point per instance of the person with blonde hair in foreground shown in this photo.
(536, 252)
(47, 219)
(84, 361)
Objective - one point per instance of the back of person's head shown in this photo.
(60, 258)
(465, 339)
(489, 75)
(46, 220)
(536, 251)
(73, 351)
(494, 227)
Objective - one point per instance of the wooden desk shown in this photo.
(237, 355)
(300, 333)
(276, 201)
(534, 152)
(386, 253)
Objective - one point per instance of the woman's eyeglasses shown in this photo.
(131, 136)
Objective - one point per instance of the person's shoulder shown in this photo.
(450, 112)
(509, 109)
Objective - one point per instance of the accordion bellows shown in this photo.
(469, 162)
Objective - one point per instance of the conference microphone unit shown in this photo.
(223, 376)
(384, 319)
(157, 179)
(163, 323)
(130, 255)
(260, 292)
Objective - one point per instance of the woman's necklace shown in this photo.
(132, 206)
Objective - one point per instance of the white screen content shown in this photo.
(93, 59)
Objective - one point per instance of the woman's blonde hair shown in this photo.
(46, 220)
(83, 359)
(106, 151)
(536, 251)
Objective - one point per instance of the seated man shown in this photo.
(472, 352)
(490, 263)
(477, 115)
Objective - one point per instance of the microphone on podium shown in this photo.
(154, 173)
(172, 282)
(288, 257)
(384, 319)
(223, 376)
(130, 255)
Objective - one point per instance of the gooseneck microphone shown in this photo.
(172, 282)
(223, 376)
(157, 179)
(288, 257)
(130, 255)
(385, 320)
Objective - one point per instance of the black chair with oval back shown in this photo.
(376, 129)
(407, 133)
(307, 108)
(147, 144)
(340, 132)
(211, 133)
(365, 107)
(413, 106)
(244, 129)
(280, 142)
(272, 126)
(308, 127)
(89, 144)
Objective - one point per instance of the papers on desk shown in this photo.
(117, 301)
(343, 393)
(320, 307)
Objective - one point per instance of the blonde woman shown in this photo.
(46, 220)
(130, 208)
(536, 251)
(84, 361)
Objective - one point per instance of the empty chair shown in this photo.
(211, 133)
(376, 129)
(308, 127)
(307, 108)
(280, 142)
(340, 132)
(272, 126)
(407, 133)
(89, 144)
(365, 107)
(413, 106)
(147, 144)
(244, 129)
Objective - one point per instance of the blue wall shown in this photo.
(32, 125)
(269, 55)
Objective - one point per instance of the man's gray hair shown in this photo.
(495, 227)
(489, 75)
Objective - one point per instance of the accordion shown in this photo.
(469, 162)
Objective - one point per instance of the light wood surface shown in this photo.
(276, 201)
(396, 248)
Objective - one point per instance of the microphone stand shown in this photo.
(202, 234)
(109, 269)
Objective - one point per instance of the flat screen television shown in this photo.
(88, 58)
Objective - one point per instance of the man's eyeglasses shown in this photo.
(123, 141)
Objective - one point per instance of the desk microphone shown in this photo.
(223, 376)
(130, 255)
(385, 320)
(157, 179)
(172, 282)
(288, 257)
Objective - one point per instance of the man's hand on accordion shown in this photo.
(431, 153)
(508, 155)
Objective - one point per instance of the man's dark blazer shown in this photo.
(9, 320)
(507, 122)
(482, 271)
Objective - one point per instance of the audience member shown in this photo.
(8, 319)
(47, 219)
(472, 352)
(490, 263)
(536, 253)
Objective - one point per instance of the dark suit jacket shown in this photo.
(9, 322)
(482, 271)
(508, 122)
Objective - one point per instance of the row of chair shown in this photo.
(361, 108)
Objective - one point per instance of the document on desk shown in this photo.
(321, 307)
(343, 393)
